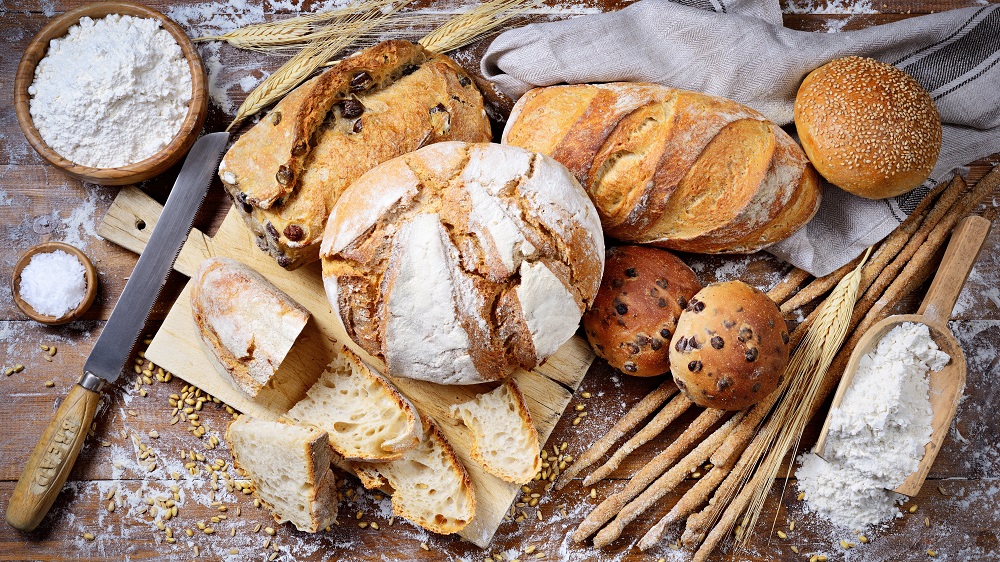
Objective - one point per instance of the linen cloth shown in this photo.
(739, 49)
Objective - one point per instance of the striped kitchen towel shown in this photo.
(739, 49)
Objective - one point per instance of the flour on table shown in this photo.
(111, 92)
(877, 435)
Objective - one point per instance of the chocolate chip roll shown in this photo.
(730, 348)
(635, 313)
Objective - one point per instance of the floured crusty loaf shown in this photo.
(364, 415)
(459, 263)
(505, 441)
(430, 486)
(246, 324)
(290, 468)
(286, 172)
(677, 169)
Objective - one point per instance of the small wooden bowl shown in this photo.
(90, 272)
(139, 171)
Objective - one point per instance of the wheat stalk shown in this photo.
(300, 29)
(304, 63)
(807, 367)
(474, 24)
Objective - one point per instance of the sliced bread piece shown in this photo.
(430, 486)
(290, 468)
(363, 413)
(247, 325)
(505, 441)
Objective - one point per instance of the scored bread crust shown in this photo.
(459, 263)
(654, 160)
(364, 415)
(288, 170)
(412, 479)
(320, 480)
(511, 432)
(228, 300)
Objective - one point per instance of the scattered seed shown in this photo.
(52, 351)
(791, 525)
(795, 549)
(846, 545)
(593, 492)
(424, 546)
(801, 496)
(18, 368)
(913, 508)
(862, 539)
(579, 407)
(269, 530)
(88, 536)
(782, 535)
(49, 384)
(111, 506)
(931, 553)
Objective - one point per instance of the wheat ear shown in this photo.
(475, 24)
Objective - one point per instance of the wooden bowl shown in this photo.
(90, 272)
(132, 173)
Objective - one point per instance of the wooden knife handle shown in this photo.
(53, 457)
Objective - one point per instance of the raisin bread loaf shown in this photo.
(459, 263)
(364, 415)
(286, 172)
(246, 324)
(678, 169)
(290, 468)
(505, 441)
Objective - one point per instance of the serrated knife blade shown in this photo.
(53, 457)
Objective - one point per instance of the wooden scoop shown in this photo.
(947, 384)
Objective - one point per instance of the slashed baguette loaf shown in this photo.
(677, 169)
(505, 441)
(430, 486)
(290, 468)
(459, 263)
(246, 324)
(286, 172)
(364, 415)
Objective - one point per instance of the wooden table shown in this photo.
(38, 203)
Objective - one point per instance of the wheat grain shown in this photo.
(474, 24)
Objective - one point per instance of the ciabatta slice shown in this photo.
(505, 441)
(430, 486)
(290, 468)
(363, 413)
(246, 324)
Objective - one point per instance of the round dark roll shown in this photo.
(730, 348)
(635, 313)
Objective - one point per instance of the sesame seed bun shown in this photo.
(868, 127)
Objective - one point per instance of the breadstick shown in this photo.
(665, 483)
(729, 516)
(784, 289)
(639, 412)
(886, 251)
(660, 463)
(664, 417)
(692, 500)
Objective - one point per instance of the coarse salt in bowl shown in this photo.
(54, 283)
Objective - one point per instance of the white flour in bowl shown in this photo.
(111, 92)
(877, 435)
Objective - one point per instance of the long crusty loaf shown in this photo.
(677, 169)
(290, 468)
(505, 441)
(430, 485)
(287, 171)
(246, 324)
(364, 415)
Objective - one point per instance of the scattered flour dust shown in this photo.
(878, 433)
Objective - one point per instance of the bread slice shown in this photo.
(290, 468)
(430, 486)
(247, 325)
(364, 415)
(505, 441)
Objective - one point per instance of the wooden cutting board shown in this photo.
(175, 347)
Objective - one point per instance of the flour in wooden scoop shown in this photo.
(877, 435)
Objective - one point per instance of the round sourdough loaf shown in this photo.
(635, 312)
(678, 169)
(868, 127)
(459, 263)
(730, 348)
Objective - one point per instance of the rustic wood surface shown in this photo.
(957, 513)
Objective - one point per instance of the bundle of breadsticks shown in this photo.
(895, 268)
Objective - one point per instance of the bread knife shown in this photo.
(53, 457)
